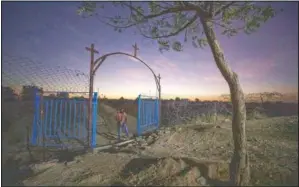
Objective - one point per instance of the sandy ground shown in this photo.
(189, 155)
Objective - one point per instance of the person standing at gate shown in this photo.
(118, 118)
(121, 118)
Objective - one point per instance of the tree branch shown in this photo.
(117, 26)
(193, 19)
(223, 8)
(226, 26)
(211, 9)
(163, 12)
(201, 11)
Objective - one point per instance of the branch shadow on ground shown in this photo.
(108, 136)
(114, 150)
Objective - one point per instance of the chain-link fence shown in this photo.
(21, 76)
(21, 71)
(176, 109)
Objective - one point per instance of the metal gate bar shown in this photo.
(148, 114)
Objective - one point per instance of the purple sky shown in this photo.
(53, 33)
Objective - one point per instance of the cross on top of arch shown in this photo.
(135, 49)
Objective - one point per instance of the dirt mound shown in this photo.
(184, 140)
(162, 171)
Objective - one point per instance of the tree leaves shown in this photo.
(163, 20)
(88, 7)
(177, 46)
(249, 14)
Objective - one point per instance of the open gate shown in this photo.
(148, 114)
(63, 122)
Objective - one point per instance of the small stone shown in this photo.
(142, 147)
(150, 140)
(202, 180)
(138, 139)
(167, 132)
(130, 145)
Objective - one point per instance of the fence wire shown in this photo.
(185, 112)
(21, 71)
(21, 76)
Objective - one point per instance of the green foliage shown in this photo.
(28, 92)
(168, 22)
(8, 94)
(63, 94)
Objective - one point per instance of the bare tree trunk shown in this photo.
(239, 166)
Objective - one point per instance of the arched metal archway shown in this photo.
(98, 62)
(95, 64)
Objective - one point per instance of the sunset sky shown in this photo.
(52, 32)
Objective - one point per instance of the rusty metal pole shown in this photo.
(159, 82)
(91, 77)
(90, 103)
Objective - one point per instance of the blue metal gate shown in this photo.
(148, 114)
(63, 122)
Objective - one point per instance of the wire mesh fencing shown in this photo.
(21, 76)
(18, 72)
(176, 110)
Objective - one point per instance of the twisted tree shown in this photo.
(166, 22)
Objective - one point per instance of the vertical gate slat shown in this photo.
(79, 119)
(94, 119)
(70, 118)
(75, 121)
(46, 118)
(34, 134)
(55, 118)
(66, 132)
(51, 116)
(60, 116)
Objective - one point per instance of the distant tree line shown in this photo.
(28, 93)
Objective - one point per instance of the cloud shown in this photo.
(166, 68)
(135, 73)
(164, 65)
(255, 68)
